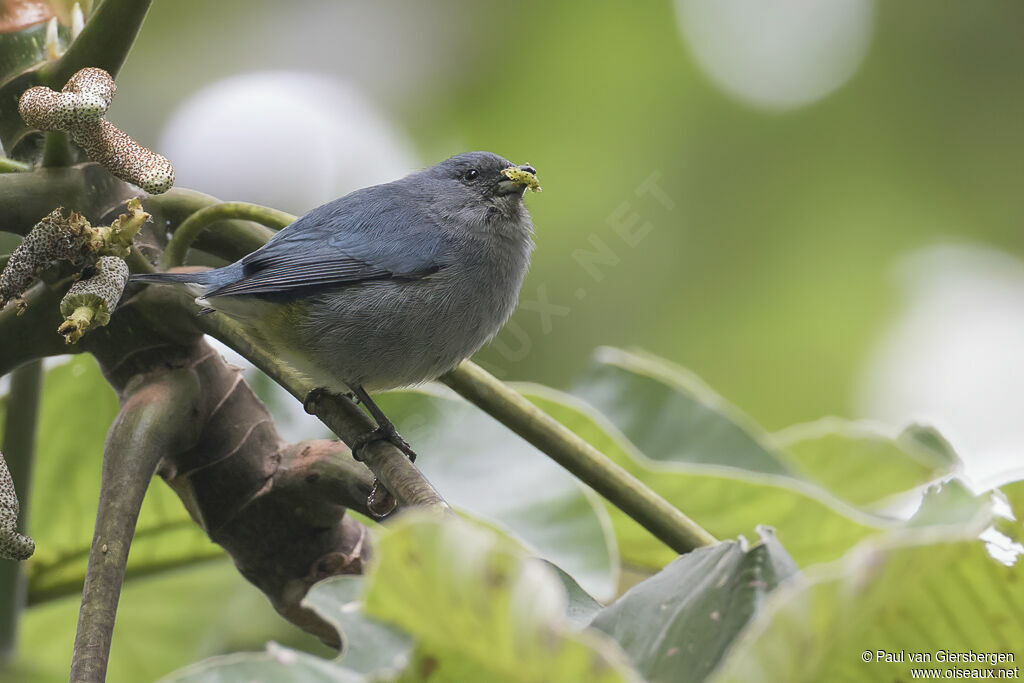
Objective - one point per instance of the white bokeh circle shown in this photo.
(777, 54)
(289, 140)
(952, 357)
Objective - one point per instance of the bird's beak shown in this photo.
(519, 179)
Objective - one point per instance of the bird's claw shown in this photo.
(309, 403)
(383, 433)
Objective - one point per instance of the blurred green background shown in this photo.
(770, 276)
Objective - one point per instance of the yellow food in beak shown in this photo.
(518, 175)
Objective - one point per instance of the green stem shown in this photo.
(190, 229)
(589, 465)
(12, 166)
(138, 570)
(19, 446)
(232, 239)
(105, 41)
(56, 149)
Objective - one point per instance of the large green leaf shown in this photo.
(485, 469)
(728, 502)
(277, 665)
(676, 625)
(367, 645)
(1013, 527)
(670, 415)
(479, 609)
(862, 464)
(915, 592)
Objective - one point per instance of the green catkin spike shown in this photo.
(13, 546)
(90, 302)
(70, 238)
(54, 238)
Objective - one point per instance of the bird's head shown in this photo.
(482, 186)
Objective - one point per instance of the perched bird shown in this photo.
(389, 286)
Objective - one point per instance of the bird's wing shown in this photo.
(372, 234)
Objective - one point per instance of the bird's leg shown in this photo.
(385, 430)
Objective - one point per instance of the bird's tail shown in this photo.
(197, 283)
(199, 278)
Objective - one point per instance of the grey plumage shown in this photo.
(389, 286)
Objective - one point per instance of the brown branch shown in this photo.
(153, 423)
(278, 509)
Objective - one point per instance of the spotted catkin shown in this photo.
(13, 546)
(79, 109)
(90, 301)
(55, 238)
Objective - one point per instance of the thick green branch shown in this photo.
(155, 420)
(190, 228)
(19, 446)
(33, 334)
(589, 465)
(86, 188)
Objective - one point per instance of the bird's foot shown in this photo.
(385, 432)
(309, 403)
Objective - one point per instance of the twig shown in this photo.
(148, 427)
(73, 586)
(12, 166)
(339, 413)
(232, 238)
(191, 227)
(589, 465)
(19, 446)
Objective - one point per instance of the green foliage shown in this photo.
(369, 645)
(913, 592)
(510, 484)
(676, 625)
(479, 609)
(467, 602)
(477, 606)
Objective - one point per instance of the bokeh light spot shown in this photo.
(777, 54)
(290, 140)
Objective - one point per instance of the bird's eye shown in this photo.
(471, 174)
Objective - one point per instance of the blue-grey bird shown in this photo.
(389, 286)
